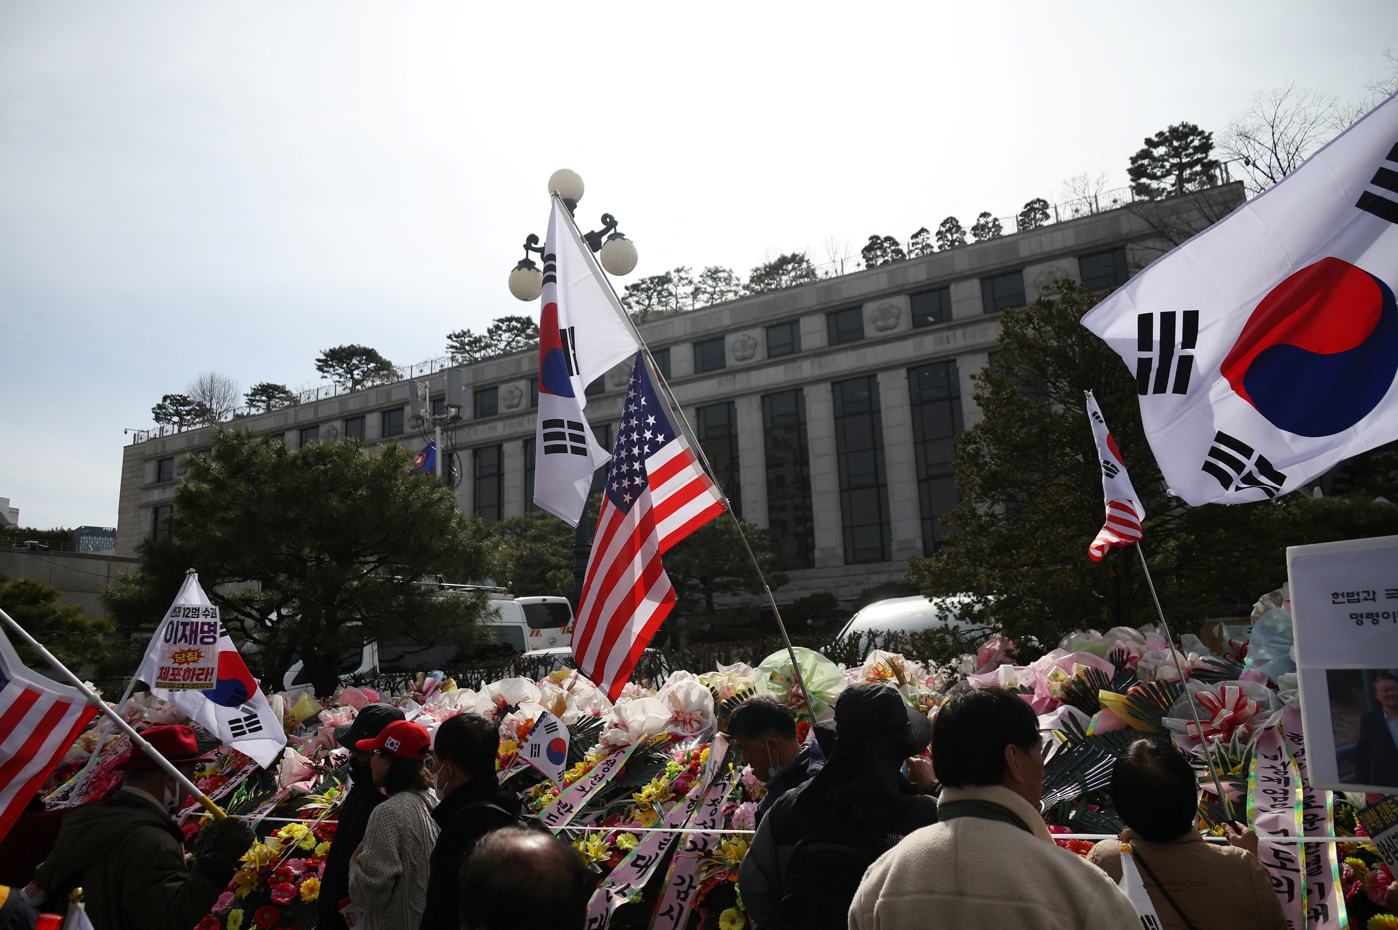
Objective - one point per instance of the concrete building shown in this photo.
(9, 516)
(827, 409)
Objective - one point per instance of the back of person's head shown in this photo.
(971, 732)
(760, 717)
(521, 879)
(1155, 790)
(469, 742)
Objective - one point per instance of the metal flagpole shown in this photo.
(76, 789)
(1182, 666)
(708, 470)
(101, 705)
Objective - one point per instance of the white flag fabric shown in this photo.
(583, 331)
(1124, 510)
(546, 747)
(1136, 890)
(234, 709)
(1265, 348)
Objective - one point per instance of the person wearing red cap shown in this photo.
(388, 872)
(127, 854)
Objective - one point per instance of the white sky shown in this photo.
(190, 186)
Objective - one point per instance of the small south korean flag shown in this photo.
(546, 747)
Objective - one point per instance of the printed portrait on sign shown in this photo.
(1364, 720)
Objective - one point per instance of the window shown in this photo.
(165, 470)
(487, 401)
(1104, 269)
(936, 403)
(789, 508)
(309, 435)
(160, 522)
(533, 393)
(488, 492)
(598, 386)
(931, 307)
(354, 427)
(603, 435)
(716, 427)
(662, 361)
(393, 422)
(1003, 292)
(529, 505)
(709, 355)
(845, 325)
(784, 339)
(863, 485)
(439, 407)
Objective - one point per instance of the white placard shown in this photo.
(188, 658)
(1344, 604)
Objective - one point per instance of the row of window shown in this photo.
(935, 398)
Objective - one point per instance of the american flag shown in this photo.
(1124, 510)
(656, 495)
(39, 720)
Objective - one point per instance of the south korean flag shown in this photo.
(546, 747)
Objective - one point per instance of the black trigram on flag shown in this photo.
(550, 267)
(563, 437)
(536, 750)
(570, 349)
(1377, 204)
(1179, 332)
(242, 726)
(1237, 466)
(1110, 468)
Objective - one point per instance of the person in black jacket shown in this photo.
(472, 805)
(354, 812)
(811, 851)
(1376, 755)
(765, 731)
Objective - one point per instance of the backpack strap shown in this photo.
(981, 810)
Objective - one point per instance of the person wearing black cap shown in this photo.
(813, 847)
(127, 854)
(359, 803)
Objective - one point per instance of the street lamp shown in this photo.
(615, 252)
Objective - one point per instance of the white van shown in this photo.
(906, 615)
(516, 624)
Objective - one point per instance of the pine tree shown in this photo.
(950, 234)
(1174, 161)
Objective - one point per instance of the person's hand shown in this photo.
(1244, 839)
(920, 773)
(232, 838)
(354, 856)
(1390, 898)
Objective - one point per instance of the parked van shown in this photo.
(516, 625)
(905, 615)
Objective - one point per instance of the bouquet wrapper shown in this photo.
(823, 678)
(353, 914)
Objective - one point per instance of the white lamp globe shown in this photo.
(526, 282)
(618, 255)
(568, 184)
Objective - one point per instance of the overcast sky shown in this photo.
(190, 186)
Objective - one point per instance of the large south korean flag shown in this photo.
(1265, 349)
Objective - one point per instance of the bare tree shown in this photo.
(1082, 193)
(1279, 130)
(836, 251)
(218, 394)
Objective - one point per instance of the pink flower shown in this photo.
(1376, 885)
(224, 902)
(745, 816)
(283, 893)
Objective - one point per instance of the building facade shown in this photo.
(827, 410)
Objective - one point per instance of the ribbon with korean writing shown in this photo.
(566, 806)
(1325, 905)
(1274, 809)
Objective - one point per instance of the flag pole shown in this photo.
(101, 705)
(1183, 667)
(75, 790)
(693, 441)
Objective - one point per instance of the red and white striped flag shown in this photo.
(1124, 511)
(39, 719)
(656, 495)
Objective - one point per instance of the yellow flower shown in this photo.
(732, 919)
(1382, 922)
(293, 832)
(259, 855)
(576, 772)
(310, 889)
(244, 883)
(507, 747)
(308, 842)
(626, 842)
(235, 919)
(323, 849)
(732, 851)
(1361, 871)
(592, 848)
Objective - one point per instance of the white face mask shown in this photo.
(172, 799)
(438, 773)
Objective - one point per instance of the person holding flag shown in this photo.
(127, 854)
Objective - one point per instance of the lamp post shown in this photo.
(617, 256)
(424, 419)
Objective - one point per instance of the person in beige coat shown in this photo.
(989, 861)
(388, 872)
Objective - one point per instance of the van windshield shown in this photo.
(546, 616)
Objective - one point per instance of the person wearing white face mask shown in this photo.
(472, 805)
(765, 731)
(127, 854)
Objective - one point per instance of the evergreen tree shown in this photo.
(715, 285)
(1174, 161)
(180, 411)
(504, 336)
(265, 397)
(62, 629)
(309, 553)
(711, 565)
(354, 366)
(920, 243)
(986, 227)
(1035, 214)
(950, 234)
(882, 250)
(535, 555)
(782, 271)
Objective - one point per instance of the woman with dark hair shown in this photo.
(473, 804)
(388, 872)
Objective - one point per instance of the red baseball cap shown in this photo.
(176, 743)
(402, 738)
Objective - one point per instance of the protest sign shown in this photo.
(1380, 820)
(188, 657)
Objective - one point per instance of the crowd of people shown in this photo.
(857, 830)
